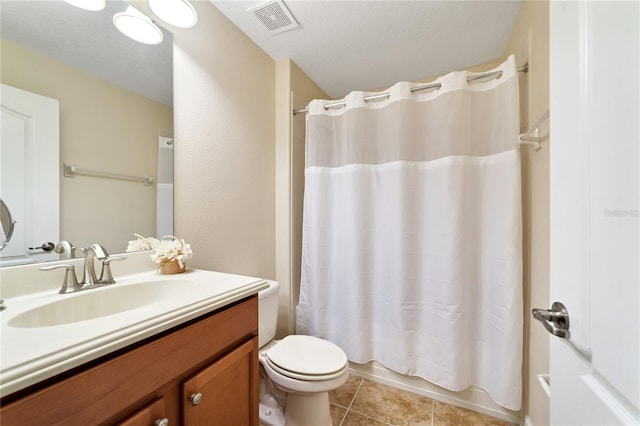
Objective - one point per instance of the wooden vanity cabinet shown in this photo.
(201, 373)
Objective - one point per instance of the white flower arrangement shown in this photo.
(142, 243)
(164, 250)
(175, 249)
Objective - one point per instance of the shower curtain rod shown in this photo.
(385, 95)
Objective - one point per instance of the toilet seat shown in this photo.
(307, 358)
(307, 378)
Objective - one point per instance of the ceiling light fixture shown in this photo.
(93, 5)
(137, 26)
(179, 13)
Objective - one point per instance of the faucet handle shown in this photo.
(70, 283)
(105, 274)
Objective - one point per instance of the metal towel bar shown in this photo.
(73, 171)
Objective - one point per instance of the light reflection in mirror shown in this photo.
(115, 114)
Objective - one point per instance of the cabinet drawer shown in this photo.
(148, 415)
(116, 387)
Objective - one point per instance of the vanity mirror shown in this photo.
(114, 99)
(7, 225)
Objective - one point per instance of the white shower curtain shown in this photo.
(412, 245)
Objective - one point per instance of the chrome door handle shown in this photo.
(46, 246)
(555, 320)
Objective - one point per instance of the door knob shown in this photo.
(162, 422)
(555, 320)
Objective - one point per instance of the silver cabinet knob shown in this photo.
(162, 422)
(195, 398)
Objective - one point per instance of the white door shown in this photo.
(594, 164)
(29, 173)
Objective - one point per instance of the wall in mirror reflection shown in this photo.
(102, 127)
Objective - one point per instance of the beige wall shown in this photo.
(529, 41)
(284, 185)
(102, 127)
(294, 90)
(224, 98)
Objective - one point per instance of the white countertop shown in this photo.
(30, 354)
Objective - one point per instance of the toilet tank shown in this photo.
(267, 313)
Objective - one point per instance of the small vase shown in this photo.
(169, 267)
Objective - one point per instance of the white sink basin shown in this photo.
(101, 302)
(43, 333)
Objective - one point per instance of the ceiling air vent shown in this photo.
(275, 16)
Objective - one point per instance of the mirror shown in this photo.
(115, 122)
(6, 225)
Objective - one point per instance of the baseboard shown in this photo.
(527, 421)
(473, 398)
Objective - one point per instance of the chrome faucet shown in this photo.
(94, 251)
(89, 279)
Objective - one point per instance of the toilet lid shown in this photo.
(307, 357)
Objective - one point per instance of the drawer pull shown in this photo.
(162, 422)
(195, 398)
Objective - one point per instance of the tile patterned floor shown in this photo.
(362, 402)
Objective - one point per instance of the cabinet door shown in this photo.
(226, 392)
(150, 415)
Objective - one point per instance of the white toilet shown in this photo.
(296, 373)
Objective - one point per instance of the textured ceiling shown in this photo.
(342, 45)
(363, 45)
